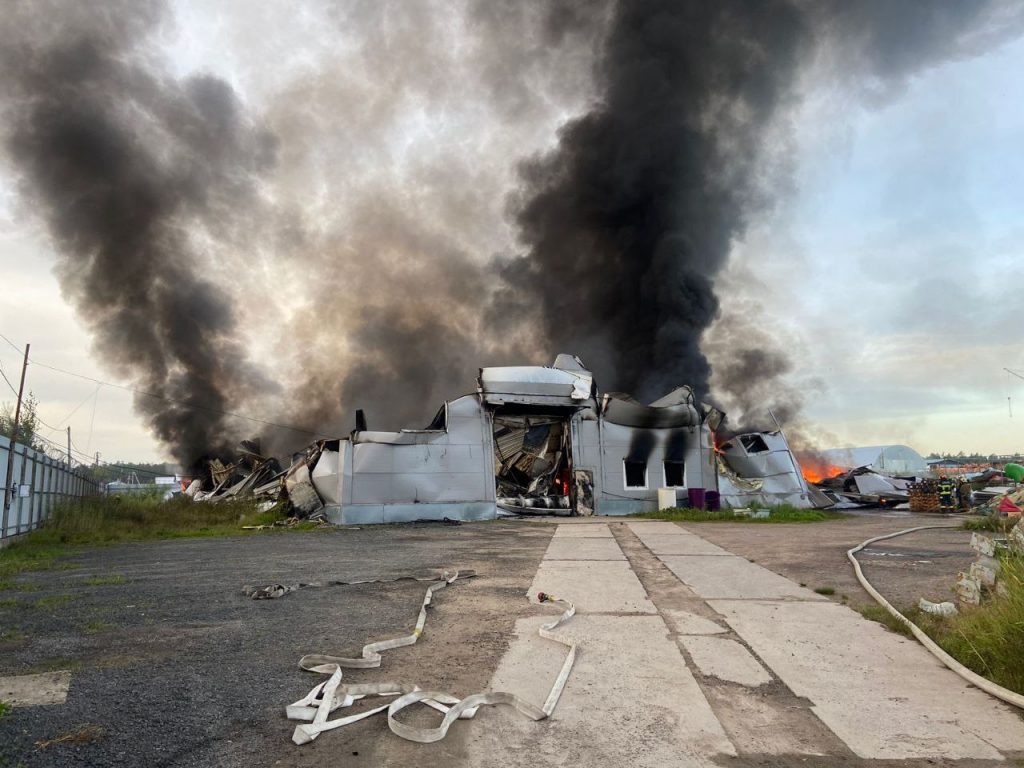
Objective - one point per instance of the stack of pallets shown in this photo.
(924, 496)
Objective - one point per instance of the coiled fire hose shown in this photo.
(331, 695)
(973, 678)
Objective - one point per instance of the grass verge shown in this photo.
(987, 639)
(992, 523)
(782, 513)
(112, 519)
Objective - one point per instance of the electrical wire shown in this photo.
(74, 410)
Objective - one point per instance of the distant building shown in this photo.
(883, 459)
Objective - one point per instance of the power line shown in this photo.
(183, 403)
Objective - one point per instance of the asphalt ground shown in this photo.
(905, 569)
(173, 666)
(176, 667)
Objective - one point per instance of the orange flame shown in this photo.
(815, 470)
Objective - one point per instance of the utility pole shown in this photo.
(69, 446)
(8, 491)
(1018, 374)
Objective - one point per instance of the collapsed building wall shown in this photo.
(532, 439)
(759, 468)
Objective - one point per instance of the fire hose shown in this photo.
(973, 678)
(330, 695)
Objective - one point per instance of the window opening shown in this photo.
(636, 473)
(674, 474)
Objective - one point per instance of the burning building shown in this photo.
(535, 439)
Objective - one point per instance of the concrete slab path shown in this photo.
(723, 661)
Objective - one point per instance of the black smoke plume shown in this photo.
(132, 172)
(630, 219)
(384, 222)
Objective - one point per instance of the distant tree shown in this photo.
(934, 455)
(28, 422)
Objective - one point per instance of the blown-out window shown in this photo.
(674, 474)
(636, 473)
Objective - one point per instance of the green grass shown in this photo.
(95, 627)
(5, 709)
(825, 590)
(104, 581)
(112, 519)
(14, 586)
(992, 523)
(988, 639)
(45, 603)
(11, 635)
(782, 513)
(9, 602)
(875, 612)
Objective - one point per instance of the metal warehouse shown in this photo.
(537, 439)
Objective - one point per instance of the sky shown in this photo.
(889, 266)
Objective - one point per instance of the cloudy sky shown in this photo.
(888, 267)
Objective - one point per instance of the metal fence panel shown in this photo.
(39, 483)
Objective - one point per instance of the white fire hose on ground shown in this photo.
(975, 679)
(331, 695)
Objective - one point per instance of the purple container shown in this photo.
(697, 498)
(714, 501)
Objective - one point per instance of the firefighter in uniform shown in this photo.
(946, 503)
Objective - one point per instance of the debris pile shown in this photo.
(251, 475)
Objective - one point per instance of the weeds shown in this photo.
(875, 612)
(14, 586)
(95, 627)
(44, 603)
(5, 709)
(58, 664)
(783, 513)
(11, 636)
(111, 519)
(989, 523)
(987, 639)
(825, 590)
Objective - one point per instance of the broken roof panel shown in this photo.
(623, 409)
(535, 384)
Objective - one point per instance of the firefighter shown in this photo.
(963, 495)
(946, 494)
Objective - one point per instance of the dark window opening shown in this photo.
(636, 473)
(754, 443)
(674, 474)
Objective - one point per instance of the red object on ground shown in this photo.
(1008, 506)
